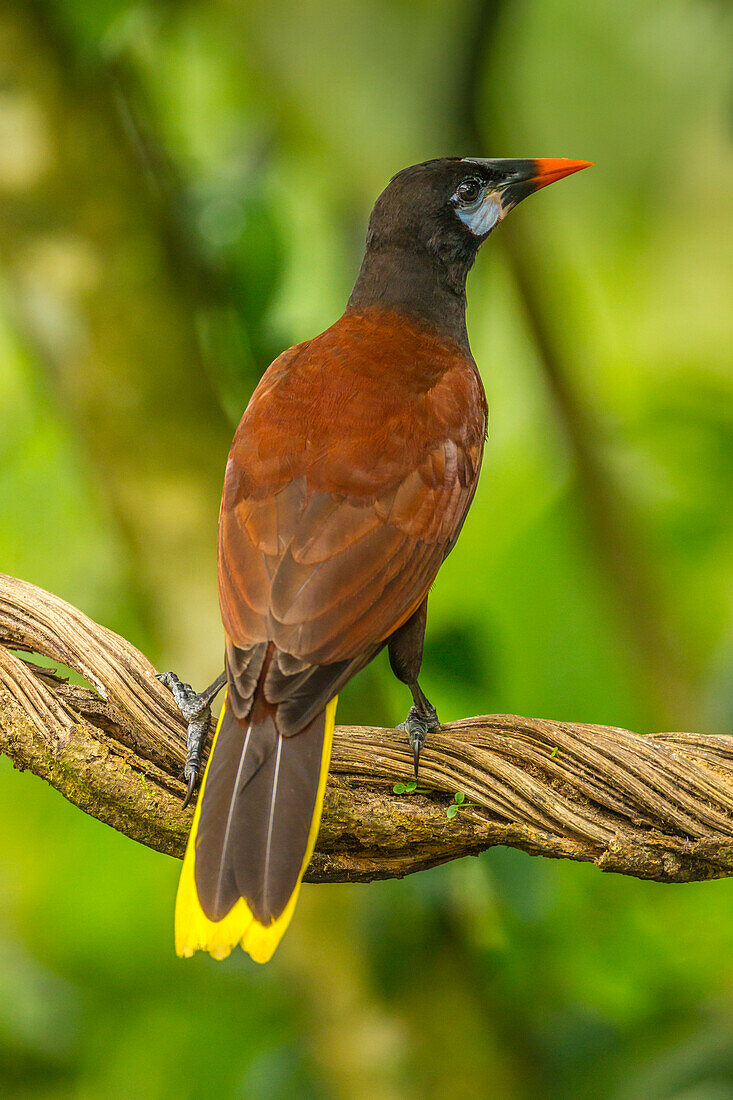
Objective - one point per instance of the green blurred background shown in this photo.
(184, 189)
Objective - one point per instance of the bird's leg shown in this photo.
(422, 717)
(196, 709)
(405, 656)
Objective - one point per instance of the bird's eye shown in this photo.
(468, 191)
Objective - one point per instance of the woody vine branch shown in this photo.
(656, 807)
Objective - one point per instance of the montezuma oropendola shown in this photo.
(347, 484)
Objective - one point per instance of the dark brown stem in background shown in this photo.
(610, 524)
(657, 807)
(95, 292)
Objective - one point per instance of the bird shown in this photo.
(347, 484)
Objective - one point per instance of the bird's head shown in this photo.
(427, 226)
(450, 206)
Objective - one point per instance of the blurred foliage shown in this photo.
(184, 188)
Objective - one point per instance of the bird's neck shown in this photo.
(420, 285)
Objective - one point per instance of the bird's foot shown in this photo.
(418, 724)
(196, 710)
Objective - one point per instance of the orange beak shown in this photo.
(547, 171)
(524, 177)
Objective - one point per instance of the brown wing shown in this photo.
(345, 489)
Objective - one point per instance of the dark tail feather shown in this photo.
(253, 833)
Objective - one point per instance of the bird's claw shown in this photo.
(191, 704)
(196, 710)
(192, 774)
(416, 740)
(418, 726)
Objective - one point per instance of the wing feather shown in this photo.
(345, 490)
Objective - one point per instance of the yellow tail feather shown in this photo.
(194, 930)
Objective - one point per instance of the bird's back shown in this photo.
(358, 448)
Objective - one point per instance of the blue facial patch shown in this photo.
(482, 216)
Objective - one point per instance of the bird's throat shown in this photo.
(419, 285)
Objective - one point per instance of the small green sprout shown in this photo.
(409, 788)
(459, 803)
(554, 752)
